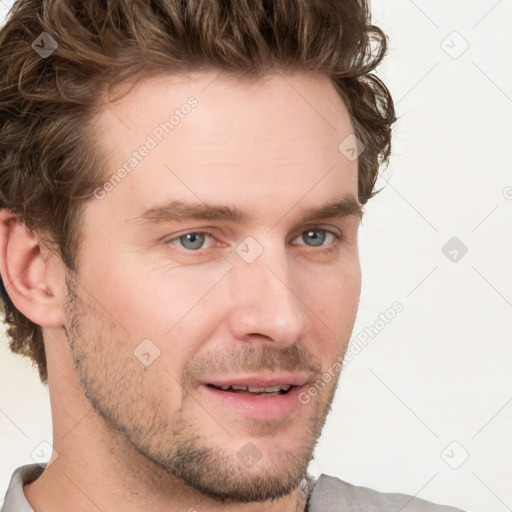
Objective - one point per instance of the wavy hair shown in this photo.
(50, 160)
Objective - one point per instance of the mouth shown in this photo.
(254, 391)
(255, 397)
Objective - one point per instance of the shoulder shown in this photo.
(332, 494)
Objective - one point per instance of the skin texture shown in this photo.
(133, 437)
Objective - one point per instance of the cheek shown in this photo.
(151, 299)
(333, 289)
(332, 299)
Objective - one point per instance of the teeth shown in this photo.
(269, 390)
(273, 389)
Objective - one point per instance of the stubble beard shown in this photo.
(126, 399)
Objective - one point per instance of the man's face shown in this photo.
(162, 315)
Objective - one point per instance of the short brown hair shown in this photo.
(49, 159)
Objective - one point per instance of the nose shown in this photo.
(265, 301)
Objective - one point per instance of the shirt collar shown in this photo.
(15, 499)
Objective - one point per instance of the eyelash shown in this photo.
(326, 248)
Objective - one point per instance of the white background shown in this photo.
(434, 386)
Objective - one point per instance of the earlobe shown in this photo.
(24, 271)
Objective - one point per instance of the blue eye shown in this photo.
(192, 241)
(313, 234)
(318, 236)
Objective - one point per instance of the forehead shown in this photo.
(191, 136)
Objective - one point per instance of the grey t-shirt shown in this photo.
(327, 494)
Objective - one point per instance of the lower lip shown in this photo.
(257, 407)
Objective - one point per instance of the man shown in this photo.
(181, 187)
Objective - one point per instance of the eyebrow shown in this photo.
(178, 211)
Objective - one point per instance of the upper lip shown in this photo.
(260, 381)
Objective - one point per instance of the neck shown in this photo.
(78, 487)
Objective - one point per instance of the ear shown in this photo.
(25, 270)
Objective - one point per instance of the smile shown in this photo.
(270, 391)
